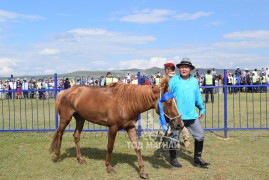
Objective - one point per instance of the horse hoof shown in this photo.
(144, 175)
(55, 157)
(111, 170)
(81, 161)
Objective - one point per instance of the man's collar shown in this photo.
(181, 77)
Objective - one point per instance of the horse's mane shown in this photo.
(132, 97)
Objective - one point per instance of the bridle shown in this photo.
(163, 99)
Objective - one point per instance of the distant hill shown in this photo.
(121, 73)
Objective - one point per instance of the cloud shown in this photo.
(142, 63)
(6, 16)
(49, 71)
(215, 23)
(148, 16)
(49, 52)
(241, 45)
(243, 35)
(245, 40)
(160, 15)
(101, 49)
(102, 36)
(8, 66)
(192, 16)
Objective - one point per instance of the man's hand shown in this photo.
(201, 116)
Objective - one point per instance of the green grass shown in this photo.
(244, 155)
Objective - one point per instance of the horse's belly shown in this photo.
(99, 122)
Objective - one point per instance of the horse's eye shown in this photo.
(168, 103)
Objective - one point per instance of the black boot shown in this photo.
(173, 156)
(198, 148)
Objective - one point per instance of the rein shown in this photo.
(162, 121)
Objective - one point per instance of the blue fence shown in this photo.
(33, 110)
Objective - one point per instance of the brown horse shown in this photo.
(117, 107)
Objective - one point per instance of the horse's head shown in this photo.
(168, 107)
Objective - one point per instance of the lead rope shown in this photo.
(166, 132)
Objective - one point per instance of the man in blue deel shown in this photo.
(188, 96)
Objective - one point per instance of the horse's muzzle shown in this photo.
(179, 126)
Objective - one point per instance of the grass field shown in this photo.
(243, 155)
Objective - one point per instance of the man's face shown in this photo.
(167, 70)
(184, 70)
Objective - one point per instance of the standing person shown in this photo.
(135, 80)
(255, 81)
(209, 81)
(147, 82)
(169, 69)
(102, 81)
(1, 89)
(197, 74)
(12, 86)
(25, 88)
(238, 82)
(230, 83)
(157, 80)
(109, 79)
(267, 72)
(237, 71)
(67, 83)
(263, 82)
(255, 72)
(18, 88)
(39, 92)
(143, 79)
(213, 72)
(186, 91)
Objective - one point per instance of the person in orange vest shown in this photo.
(209, 81)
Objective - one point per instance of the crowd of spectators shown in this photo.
(12, 88)
(238, 77)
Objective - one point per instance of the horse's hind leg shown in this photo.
(79, 126)
(57, 139)
(134, 139)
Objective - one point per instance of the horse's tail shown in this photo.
(53, 144)
(58, 99)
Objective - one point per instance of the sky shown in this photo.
(62, 36)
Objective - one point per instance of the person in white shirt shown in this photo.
(1, 89)
(128, 76)
(213, 72)
(230, 82)
(135, 80)
(255, 72)
(25, 88)
(267, 74)
(13, 86)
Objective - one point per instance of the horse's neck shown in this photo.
(157, 95)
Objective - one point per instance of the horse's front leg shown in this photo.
(134, 139)
(112, 132)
